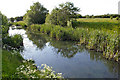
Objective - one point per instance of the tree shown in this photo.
(111, 17)
(79, 16)
(19, 18)
(60, 16)
(69, 6)
(12, 19)
(36, 14)
(3, 19)
(117, 18)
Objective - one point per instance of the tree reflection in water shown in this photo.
(69, 49)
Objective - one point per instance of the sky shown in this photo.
(13, 8)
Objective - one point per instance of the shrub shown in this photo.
(29, 70)
(15, 41)
(20, 23)
(111, 17)
(117, 18)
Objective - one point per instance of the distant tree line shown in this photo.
(98, 16)
(18, 18)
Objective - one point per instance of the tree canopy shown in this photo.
(12, 19)
(36, 14)
(60, 16)
(3, 19)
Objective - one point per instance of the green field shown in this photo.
(97, 23)
(98, 20)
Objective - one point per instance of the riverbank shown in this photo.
(10, 61)
(64, 54)
(101, 40)
(15, 66)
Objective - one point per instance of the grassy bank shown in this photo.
(10, 61)
(14, 66)
(102, 40)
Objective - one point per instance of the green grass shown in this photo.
(97, 20)
(9, 63)
(96, 23)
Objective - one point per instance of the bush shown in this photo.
(111, 17)
(117, 18)
(15, 41)
(20, 23)
(29, 70)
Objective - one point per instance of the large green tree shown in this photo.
(36, 14)
(60, 16)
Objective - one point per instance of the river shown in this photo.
(74, 61)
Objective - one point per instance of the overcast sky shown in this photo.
(13, 8)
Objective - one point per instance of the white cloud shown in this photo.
(13, 8)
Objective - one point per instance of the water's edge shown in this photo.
(66, 57)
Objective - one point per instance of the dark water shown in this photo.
(66, 57)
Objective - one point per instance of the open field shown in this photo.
(97, 23)
(97, 20)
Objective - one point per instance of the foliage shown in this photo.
(20, 23)
(29, 70)
(60, 16)
(36, 14)
(19, 18)
(12, 19)
(111, 17)
(4, 31)
(15, 41)
(4, 19)
(117, 18)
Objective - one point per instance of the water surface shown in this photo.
(66, 57)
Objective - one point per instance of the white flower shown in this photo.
(59, 74)
(43, 70)
(24, 61)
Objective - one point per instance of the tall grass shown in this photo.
(105, 41)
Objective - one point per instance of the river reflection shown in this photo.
(68, 58)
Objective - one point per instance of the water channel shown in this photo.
(66, 57)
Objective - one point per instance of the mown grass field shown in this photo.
(97, 23)
(97, 20)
